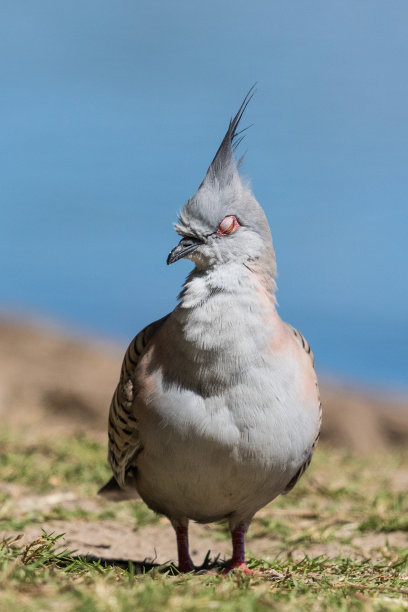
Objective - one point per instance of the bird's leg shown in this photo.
(185, 563)
(238, 550)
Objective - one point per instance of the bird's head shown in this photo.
(222, 222)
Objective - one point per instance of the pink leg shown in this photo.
(238, 551)
(185, 563)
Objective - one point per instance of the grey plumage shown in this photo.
(217, 409)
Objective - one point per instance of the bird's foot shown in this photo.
(236, 565)
(185, 566)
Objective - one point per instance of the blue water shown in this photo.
(111, 112)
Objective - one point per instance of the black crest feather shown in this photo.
(224, 155)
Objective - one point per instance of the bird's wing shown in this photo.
(124, 443)
(306, 347)
(301, 470)
(302, 341)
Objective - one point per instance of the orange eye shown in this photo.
(227, 226)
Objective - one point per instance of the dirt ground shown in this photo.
(319, 525)
(53, 384)
(117, 542)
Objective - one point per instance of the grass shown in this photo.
(338, 541)
(73, 462)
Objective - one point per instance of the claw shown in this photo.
(236, 565)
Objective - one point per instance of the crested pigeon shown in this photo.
(217, 409)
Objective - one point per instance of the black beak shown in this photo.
(184, 248)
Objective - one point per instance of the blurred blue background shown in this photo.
(110, 113)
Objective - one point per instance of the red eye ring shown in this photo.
(228, 226)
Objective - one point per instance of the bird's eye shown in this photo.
(227, 226)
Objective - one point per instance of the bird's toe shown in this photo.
(186, 566)
(236, 565)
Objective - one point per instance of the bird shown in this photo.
(217, 409)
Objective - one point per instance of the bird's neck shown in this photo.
(233, 280)
(224, 323)
(220, 307)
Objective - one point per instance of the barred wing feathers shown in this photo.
(124, 443)
(306, 347)
(303, 342)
